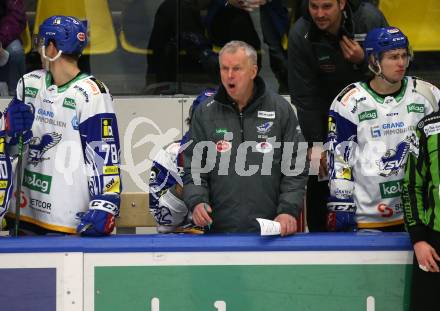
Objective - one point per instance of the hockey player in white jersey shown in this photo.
(371, 131)
(166, 186)
(71, 178)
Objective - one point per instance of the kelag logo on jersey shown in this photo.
(106, 128)
(418, 108)
(37, 182)
(39, 146)
(30, 92)
(368, 115)
(69, 103)
(390, 189)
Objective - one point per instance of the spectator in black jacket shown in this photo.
(12, 24)
(325, 55)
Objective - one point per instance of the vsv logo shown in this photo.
(38, 182)
(393, 160)
(390, 189)
(38, 146)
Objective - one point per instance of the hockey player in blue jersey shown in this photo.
(71, 177)
(166, 204)
(371, 132)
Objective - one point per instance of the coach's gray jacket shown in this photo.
(238, 178)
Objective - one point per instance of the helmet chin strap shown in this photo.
(43, 52)
(380, 74)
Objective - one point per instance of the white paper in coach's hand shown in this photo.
(269, 227)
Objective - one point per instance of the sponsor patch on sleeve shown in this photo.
(106, 128)
(112, 184)
(432, 129)
(266, 114)
(110, 170)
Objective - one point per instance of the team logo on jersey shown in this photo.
(39, 146)
(223, 146)
(106, 128)
(390, 189)
(69, 103)
(30, 92)
(418, 108)
(375, 131)
(367, 115)
(264, 147)
(265, 127)
(394, 159)
(37, 182)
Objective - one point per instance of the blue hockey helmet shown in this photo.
(68, 33)
(380, 40)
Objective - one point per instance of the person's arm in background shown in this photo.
(341, 144)
(304, 87)
(292, 186)
(13, 22)
(415, 187)
(365, 18)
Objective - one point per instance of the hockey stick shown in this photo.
(18, 170)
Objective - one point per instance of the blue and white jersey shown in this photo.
(73, 156)
(168, 210)
(369, 139)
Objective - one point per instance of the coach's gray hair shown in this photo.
(233, 46)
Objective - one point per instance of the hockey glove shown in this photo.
(19, 118)
(99, 220)
(341, 216)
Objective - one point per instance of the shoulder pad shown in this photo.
(96, 85)
(345, 91)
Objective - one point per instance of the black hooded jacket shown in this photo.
(237, 195)
(317, 69)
